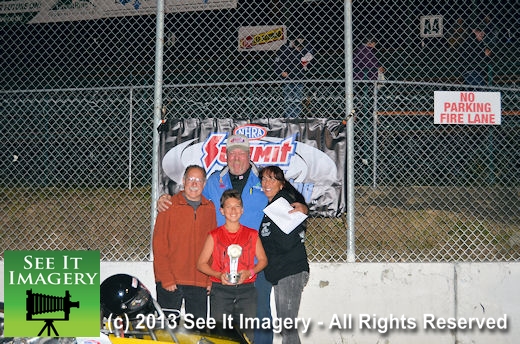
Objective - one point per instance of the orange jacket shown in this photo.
(178, 238)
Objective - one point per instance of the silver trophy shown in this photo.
(234, 252)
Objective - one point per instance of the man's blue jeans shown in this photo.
(293, 95)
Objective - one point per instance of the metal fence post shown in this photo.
(374, 137)
(159, 47)
(351, 248)
(130, 125)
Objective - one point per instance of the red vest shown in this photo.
(245, 237)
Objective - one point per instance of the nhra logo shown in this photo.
(252, 131)
(262, 152)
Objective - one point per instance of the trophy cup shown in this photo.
(234, 252)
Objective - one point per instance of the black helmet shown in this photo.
(123, 293)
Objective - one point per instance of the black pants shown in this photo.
(239, 300)
(195, 300)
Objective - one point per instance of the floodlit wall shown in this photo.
(395, 302)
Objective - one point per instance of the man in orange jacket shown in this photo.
(178, 238)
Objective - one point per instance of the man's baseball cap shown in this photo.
(237, 141)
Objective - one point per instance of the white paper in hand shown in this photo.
(278, 211)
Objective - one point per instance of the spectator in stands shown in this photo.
(365, 62)
(293, 60)
(475, 58)
(458, 35)
(178, 239)
(489, 27)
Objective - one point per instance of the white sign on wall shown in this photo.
(431, 26)
(467, 108)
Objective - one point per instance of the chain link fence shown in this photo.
(77, 104)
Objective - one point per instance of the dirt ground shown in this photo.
(391, 224)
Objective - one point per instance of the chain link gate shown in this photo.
(77, 118)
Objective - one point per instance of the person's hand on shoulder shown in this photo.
(302, 208)
(164, 202)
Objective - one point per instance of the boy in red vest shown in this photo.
(228, 258)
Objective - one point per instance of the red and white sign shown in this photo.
(467, 108)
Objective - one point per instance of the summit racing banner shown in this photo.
(310, 152)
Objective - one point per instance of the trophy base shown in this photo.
(233, 277)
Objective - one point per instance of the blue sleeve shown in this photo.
(213, 191)
(254, 201)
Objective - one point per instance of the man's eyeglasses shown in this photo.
(195, 180)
